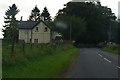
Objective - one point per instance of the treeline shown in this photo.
(82, 22)
(87, 22)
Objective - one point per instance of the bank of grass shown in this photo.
(41, 62)
(112, 49)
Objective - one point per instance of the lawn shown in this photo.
(41, 62)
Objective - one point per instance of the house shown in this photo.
(34, 31)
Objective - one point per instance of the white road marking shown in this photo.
(107, 60)
(100, 55)
(118, 67)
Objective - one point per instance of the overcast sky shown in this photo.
(25, 7)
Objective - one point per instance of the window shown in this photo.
(46, 29)
(30, 40)
(35, 40)
(36, 30)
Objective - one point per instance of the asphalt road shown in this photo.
(94, 63)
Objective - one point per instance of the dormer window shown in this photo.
(46, 29)
(36, 29)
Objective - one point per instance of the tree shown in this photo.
(96, 16)
(35, 14)
(114, 31)
(10, 29)
(46, 14)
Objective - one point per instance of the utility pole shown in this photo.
(109, 33)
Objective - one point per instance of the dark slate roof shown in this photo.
(29, 24)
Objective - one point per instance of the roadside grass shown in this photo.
(112, 49)
(42, 61)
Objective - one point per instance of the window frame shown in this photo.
(45, 29)
(35, 40)
(36, 29)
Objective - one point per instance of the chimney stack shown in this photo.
(42, 18)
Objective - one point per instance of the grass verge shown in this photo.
(112, 49)
(49, 66)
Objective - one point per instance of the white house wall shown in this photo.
(25, 34)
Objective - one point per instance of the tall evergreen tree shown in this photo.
(35, 14)
(10, 28)
(46, 14)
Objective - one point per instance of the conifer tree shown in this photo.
(10, 28)
(46, 14)
(35, 14)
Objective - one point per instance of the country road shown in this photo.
(94, 63)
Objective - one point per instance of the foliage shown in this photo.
(35, 14)
(97, 17)
(10, 28)
(46, 14)
(73, 24)
(114, 31)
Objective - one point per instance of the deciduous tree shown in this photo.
(96, 16)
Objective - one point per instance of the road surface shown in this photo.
(94, 63)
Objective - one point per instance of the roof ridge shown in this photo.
(32, 21)
(30, 24)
